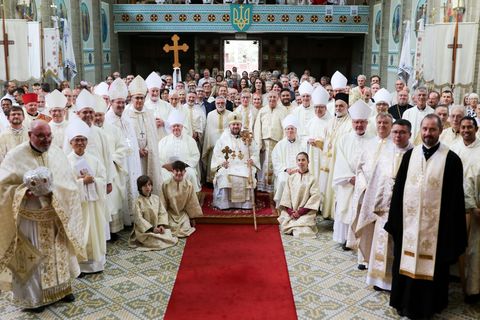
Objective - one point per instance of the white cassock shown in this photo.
(336, 128)
(415, 116)
(143, 123)
(58, 132)
(216, 124)
(116, 200)
(304, 115)
(232, 188)
(161, 109)
(249, 114)
(284, 156)
(450, 137)
(131, 162)
(93, 210)
(349, 148)
(11, 138)
(317, 129)
(183, 148)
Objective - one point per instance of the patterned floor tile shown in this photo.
(137, 285)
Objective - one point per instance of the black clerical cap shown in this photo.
(342, 96)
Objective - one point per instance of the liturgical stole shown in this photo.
(421, 213)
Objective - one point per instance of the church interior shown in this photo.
(231, 268)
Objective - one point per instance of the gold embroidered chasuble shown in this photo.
(42, 261)
(421, 214)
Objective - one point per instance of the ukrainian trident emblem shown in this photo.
(242, 16)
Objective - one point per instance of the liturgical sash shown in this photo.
(421, 213)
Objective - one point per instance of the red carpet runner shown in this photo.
(232, 272)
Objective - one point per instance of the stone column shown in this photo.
(114, 48)
(97, 42)
(367, 44)
(77, 39)
(383, 71)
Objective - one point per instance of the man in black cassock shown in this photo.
(422, 290)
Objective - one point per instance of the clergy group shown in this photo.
(395, 171)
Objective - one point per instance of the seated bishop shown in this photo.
(235, 159)
(178, 145)
(284, 155)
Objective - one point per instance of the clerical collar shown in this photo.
(34, 115)
(306, 171)
(292, 141)
(424, 108)
(35, 149)
(428, 152)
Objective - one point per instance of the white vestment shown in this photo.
(11, 138)
(216, 124)
(161, 110)
(249, 114)
(116, 200)
(183, 148)
(304, 115)
(450, 137)
(58, 132)
(472, 201)
(267, 131)
(284, 156)
(349, 148)
(337, 127)
(415, 116)
(300, 194)
(131, 162)
(93, 209)
(143, 123)
(317, 130)
(374, 212)
(233, 186)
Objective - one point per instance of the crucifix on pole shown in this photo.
(5, 42)
(175, 48)
(454, 46)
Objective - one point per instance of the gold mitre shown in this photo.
(234, 118)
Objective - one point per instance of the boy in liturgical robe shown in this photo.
(181, 202)
(300, 202)
(91, 182)
(150, 231)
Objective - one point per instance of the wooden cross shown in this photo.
(227, 152)
(455, 45)
(5, 42)
(175, 48)
(31, 258)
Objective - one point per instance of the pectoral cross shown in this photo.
(234, 155)
(227, 152)
(247, 137)
(142, 134)
(175, 48)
